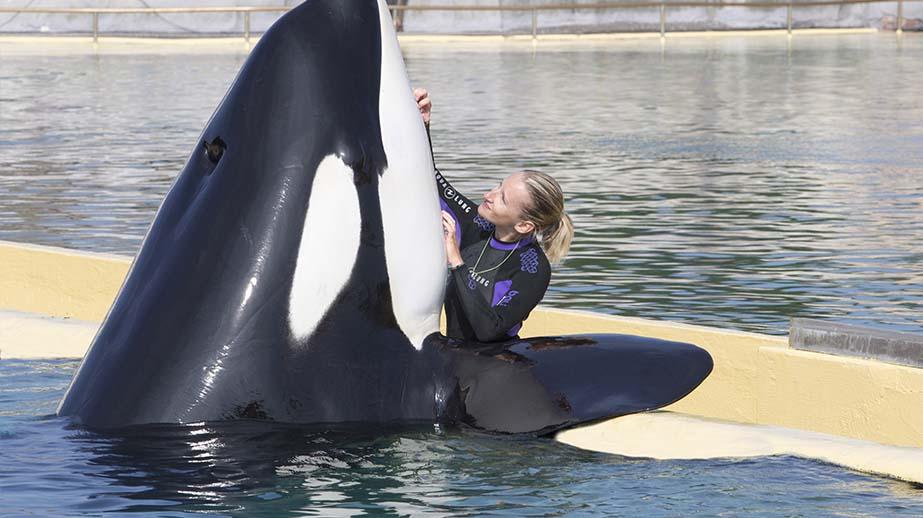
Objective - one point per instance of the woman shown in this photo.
(499, 252)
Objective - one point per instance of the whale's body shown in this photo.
(295, 271)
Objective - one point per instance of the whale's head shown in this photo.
(300, 244)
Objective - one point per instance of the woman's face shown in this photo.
(503, 205)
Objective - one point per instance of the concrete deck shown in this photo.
(29, 336)
(670, 435)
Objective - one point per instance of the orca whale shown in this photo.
(295, 270)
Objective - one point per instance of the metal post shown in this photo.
(789, 17)
(534, 24)
(663, 17)
(95, 27)
(247, 26)
(900, 16)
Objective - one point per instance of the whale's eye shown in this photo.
(214, 149)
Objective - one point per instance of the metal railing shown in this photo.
(789, 5)
(95, 12)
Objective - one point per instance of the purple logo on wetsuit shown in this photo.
(483, 224)
(505, 301)
(529, 261)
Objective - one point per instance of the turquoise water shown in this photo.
(730, 182)
(50, 468)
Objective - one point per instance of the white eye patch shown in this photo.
(329, 245)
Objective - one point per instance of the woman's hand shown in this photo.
(452, 253)
(424, 104)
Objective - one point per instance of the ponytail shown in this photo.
(556, 239)
(554, 228)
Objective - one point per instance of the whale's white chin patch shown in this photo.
(329, 245)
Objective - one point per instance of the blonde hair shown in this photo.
(553, 227)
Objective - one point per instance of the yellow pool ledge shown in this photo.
(58, 282)
(52, 299)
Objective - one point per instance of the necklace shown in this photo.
(474, 270)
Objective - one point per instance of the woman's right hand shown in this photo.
(424, 104)
(452, 253)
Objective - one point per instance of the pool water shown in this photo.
(49, 467)
(734, 182)
(731, 182)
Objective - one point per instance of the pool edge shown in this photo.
(757, 378)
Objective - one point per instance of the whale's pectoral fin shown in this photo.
(541, 385)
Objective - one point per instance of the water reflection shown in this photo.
(735, 182)
(335, 470)
(255, 469)
(49, 467)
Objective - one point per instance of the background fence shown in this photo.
(517, 17)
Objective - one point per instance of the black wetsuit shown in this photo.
(489, 304)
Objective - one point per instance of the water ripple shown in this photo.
(723, 181)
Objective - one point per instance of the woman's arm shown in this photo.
(463, 210)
